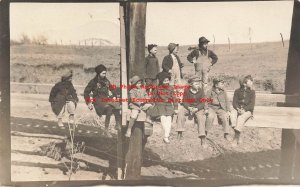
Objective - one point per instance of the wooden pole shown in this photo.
(289, 167)
(120, 147)
(137, 23)
(5, 143)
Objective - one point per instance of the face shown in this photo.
(204, 45)
(249, 83)
(102, 74)
(153, 50)
(175, 51)
(220, 85)
(196, 85)
(166, 81)
(138, 84)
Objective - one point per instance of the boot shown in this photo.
(166, 140)
(179, 135)
(236, 138)
(226, 136)
(129, 128)
(203, 142)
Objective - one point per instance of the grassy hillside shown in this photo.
(46, 64)
(266, 62)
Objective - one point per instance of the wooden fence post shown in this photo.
(290, 149)
(137, 26)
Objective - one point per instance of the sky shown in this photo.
(65, 21)
(184, 23)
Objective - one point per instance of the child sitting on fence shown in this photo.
(243, 103)
(137, 94)
(165, 104)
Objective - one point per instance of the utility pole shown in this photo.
(136, 49)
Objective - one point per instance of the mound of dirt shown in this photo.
(190, 149)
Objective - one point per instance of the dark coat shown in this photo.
(219, 100)
(244, 98)
(168, 102)
(167, 64)
(193, 100)
(61, 93)
(152, 67)
(196, 53)
(100, 90)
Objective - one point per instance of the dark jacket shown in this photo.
(244, 98)
(167, 102)
(196, 53)
(100, 90)
(219, 100)
(152, 67)
(61, 93)
(167, 64)
(189, 97)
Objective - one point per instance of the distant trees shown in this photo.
(25, 40)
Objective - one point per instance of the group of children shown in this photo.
(63, 96)
(197, 102)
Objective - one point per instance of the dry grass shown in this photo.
(46, 64)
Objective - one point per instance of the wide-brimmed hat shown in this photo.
(172, 46)
(134, 79)
(193, 79)
(203, 40)
(100, 68)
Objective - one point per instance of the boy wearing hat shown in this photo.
(172, 64)
(219, 106)
(152, 66)
(100, 88)
(243, 103)
(137, 94)
(63, 97)
(192, 107)
(203, 59)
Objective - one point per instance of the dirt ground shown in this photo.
(34, 125)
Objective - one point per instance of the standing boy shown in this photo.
(152, 67)
(172, 64)
(203, 59)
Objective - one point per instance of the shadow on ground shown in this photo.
(97, 144)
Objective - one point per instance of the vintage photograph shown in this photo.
(211, 96)
(64, 58)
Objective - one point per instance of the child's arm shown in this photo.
(250, 106)
(53, 93)
(192, 55)
(88, 89)
(235, 100)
